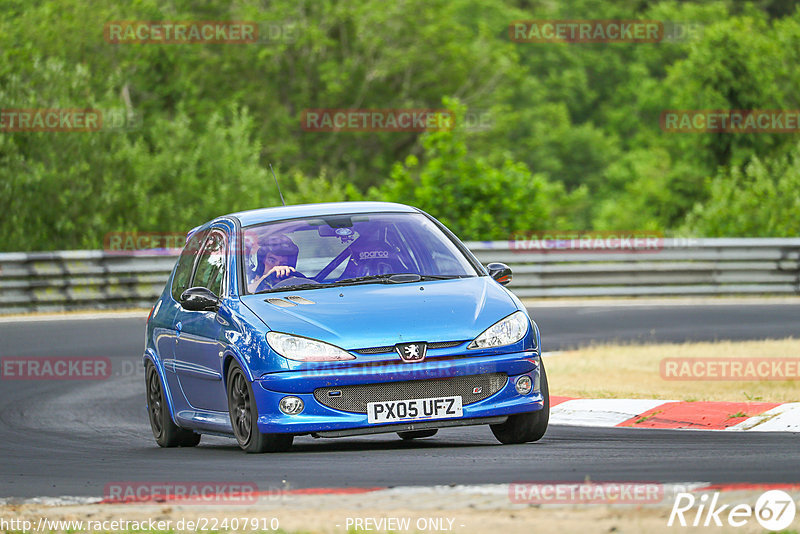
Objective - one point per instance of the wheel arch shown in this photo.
(151, 356)
(229, 358)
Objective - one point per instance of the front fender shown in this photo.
(231, 355)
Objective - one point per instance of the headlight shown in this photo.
(503, 332)
(304, 349)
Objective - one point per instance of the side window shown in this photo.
(183, 270)
(436, 251)
(210, 271)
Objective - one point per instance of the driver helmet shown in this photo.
(279, 245)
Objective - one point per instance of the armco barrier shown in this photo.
(710, 266)
(80, 279)
(54, 281)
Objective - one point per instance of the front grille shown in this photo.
(355, 398)
(375, 350)
(390, 348)
(444, 344)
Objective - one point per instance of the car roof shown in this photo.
(264, 215)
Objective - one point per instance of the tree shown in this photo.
(760, 200)
(474, 198)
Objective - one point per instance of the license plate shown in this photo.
(414, 409)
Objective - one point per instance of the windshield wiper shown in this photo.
(396, 278)
(393, 278)
(376, 278)
(426, 277)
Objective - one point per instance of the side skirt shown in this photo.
(205, 421)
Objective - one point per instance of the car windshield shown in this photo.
(349, 249)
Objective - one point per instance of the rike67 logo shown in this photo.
(774, 510)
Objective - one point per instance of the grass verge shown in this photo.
(634, 372)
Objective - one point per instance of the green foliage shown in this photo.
(55, 185)
(760, 201)
(573, 142)
(197, 170)
(472, 196)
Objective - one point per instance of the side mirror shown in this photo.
(199, 299)
(500, 272)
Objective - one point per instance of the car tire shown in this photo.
(244, 414)
(166, 432)
(414, 434)
(526, 427)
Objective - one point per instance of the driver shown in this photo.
(277, 257)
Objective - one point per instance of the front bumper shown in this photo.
(319, 418)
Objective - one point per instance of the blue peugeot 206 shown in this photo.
(338, 320)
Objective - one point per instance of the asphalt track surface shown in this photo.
(74, 437)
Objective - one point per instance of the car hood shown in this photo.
(375, 315)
